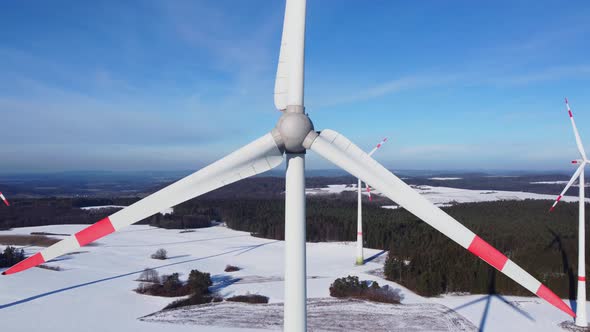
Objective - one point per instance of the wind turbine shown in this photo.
(4, 199)
(293, 135)
(581, 319)
(360, 258)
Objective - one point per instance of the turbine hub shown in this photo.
(293, 128)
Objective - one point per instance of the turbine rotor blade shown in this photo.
(4, 199)
(378, 146)
(369, 191)
(281, 80)
(568, 185)
(576, 133)
(257, 157)
(343, 153)
(370, 154)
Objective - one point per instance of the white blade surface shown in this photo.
(367, 187)
(255, 158)
(343, 153)
(568, 185)
(290, 70)
(4, 199)
(295, 12)
(576, 133)
(281, 80)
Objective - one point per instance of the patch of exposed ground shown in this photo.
(28, 240)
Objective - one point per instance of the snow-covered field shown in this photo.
(446, 196)
(94, 290)
(559, 182)
(98, 207)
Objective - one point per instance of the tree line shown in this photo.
(420, 258)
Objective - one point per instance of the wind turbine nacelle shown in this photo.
(294, 132)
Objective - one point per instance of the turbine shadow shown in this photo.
(492, 294)
(567, 268)
(246, 249)
(221, 281)
(177, 256)
(171, 243)
(374, 256)
(38, 296)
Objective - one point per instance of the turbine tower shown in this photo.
(360, 258)
(581, 319)
(293, 135)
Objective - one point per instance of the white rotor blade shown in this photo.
(255, 158)
(281, 80)
(576, 133)
(568, 185)
(290, 70)
(368, 188)
(4, 199)
(378, 146)
(343, 153)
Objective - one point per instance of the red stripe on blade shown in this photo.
(546, 294)
(570, 112)
(359, 233)
(28, 263)
(558, 198)
(94, 232)
(485, 251)
(582, 279)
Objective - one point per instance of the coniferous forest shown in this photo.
(420, 258)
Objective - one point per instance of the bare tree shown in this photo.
(160, 254)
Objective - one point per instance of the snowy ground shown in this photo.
(559, 182)
(445, 196)
(325, 314)
(98, 207)
(94, 290)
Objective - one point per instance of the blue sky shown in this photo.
(174, 85)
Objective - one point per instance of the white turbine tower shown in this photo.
(293, 135)
(4, 199)
(360, 258)
(581, 319)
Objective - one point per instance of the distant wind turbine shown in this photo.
(581, 319)
(360, 258)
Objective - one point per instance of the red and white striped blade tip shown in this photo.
(498, 260)
(369, 192)
(555, 203)
(89, 234)
(28, 263)
(4, 199)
